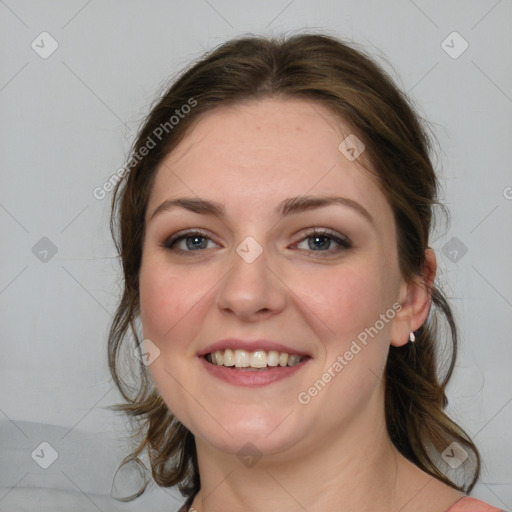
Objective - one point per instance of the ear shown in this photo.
(415, 297)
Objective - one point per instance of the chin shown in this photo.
(252, 433)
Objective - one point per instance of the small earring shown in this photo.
(412, 337)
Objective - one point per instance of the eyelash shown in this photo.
(343, 242)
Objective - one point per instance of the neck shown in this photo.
(351, 471)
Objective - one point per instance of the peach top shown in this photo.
(469, 504)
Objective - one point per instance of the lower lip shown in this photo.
(247, 378)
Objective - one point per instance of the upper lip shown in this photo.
(250, 346)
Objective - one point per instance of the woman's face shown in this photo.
(237, 258)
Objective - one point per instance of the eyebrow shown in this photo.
(291, 205)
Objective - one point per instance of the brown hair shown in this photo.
(348, 82)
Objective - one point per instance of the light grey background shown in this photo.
(67, 122)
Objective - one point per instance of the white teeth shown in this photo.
(241, 359)
(217, 357)
(273, 358)
(229, 357)
(258, 359)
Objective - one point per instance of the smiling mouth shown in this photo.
(252, 361)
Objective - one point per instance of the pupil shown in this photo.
(326, 242)
(192, 242)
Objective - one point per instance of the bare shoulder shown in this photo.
(421, 492)
(440, 497)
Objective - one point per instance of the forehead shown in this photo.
(264, 150)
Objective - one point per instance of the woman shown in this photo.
(274, 231)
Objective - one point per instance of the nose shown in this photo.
(251, 290)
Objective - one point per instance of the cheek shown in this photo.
(347, 299)
(166, 298)
(170, 307)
